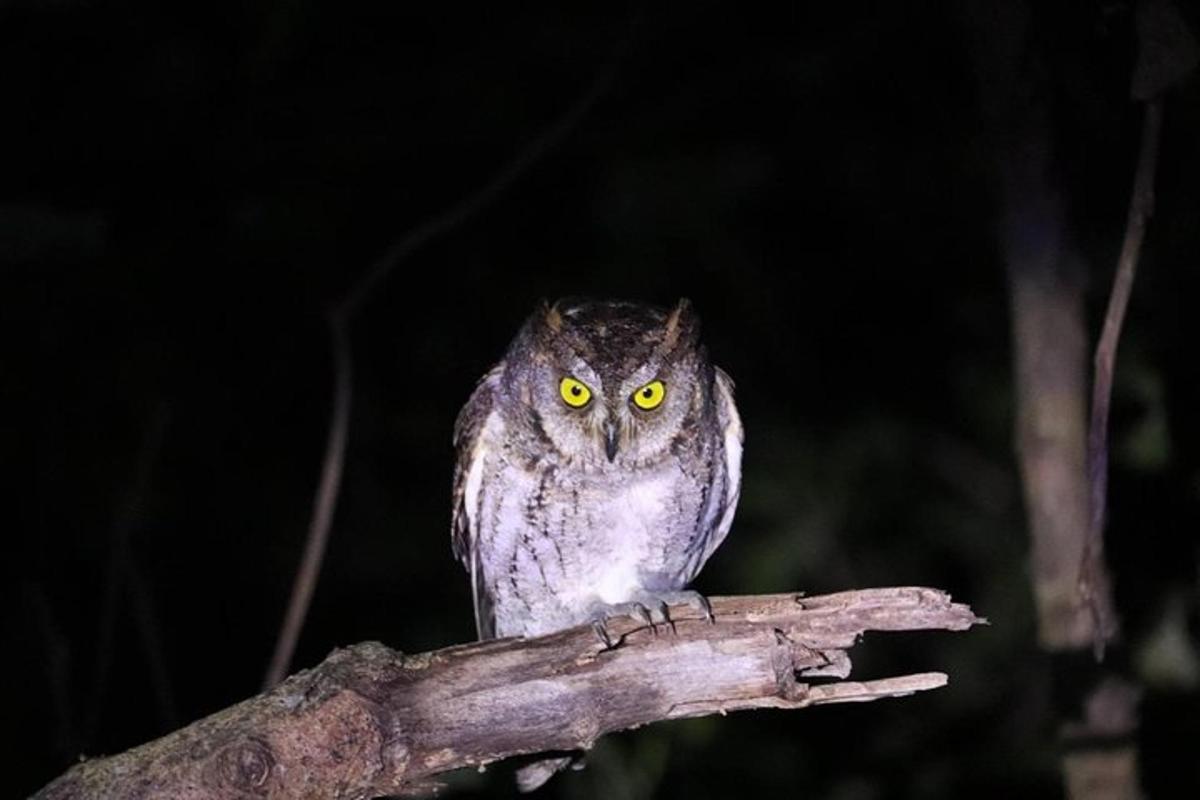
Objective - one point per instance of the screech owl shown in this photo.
(599, 466)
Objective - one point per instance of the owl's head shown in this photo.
(610, 382)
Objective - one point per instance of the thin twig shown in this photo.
(342, 315)
(1093, 579)
(323, 506)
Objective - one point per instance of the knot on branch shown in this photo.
(244, 766)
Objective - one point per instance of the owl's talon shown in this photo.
(642, 615)
(636, 610)
(690, 598)
(658, 612)
(664, 615)
(650, 609)
(602, 634)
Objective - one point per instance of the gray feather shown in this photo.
(550, 528)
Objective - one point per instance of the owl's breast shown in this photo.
(639, 527)
(555, 541)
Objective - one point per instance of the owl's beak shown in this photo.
(610, 439)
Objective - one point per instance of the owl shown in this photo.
(598, 468)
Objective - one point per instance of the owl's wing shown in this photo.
(471, 445)
(731, 440)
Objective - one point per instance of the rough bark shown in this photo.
(371, 721)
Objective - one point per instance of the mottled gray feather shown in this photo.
(552, 526)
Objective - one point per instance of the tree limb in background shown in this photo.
(1093, 579)
(1063, 456)
(369, 721)
(342, 314)
(324, 504)
(1167, 53)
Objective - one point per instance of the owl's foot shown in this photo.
(687, 597)
(639, 612)
(652, 609)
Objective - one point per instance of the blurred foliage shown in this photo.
(189, 186)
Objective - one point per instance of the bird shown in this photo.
(598, 468)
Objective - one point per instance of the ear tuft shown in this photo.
(682, 326)
(550, 316)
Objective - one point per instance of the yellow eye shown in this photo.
(650, 396)
(574, 393)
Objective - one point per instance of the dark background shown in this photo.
(187, 188)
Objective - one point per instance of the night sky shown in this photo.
(186, 190)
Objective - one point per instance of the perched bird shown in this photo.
(599, 466)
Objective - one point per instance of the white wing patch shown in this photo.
(471, 509)
(732, 439)
(474, 439)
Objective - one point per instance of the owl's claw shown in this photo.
(602, 634)
(648, 612)
(635, 610)
(651, 609)
(686, 597)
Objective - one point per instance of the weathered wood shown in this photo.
(371, 721)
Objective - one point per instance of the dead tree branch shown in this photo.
(371, 721)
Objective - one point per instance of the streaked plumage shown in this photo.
(560, 513)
